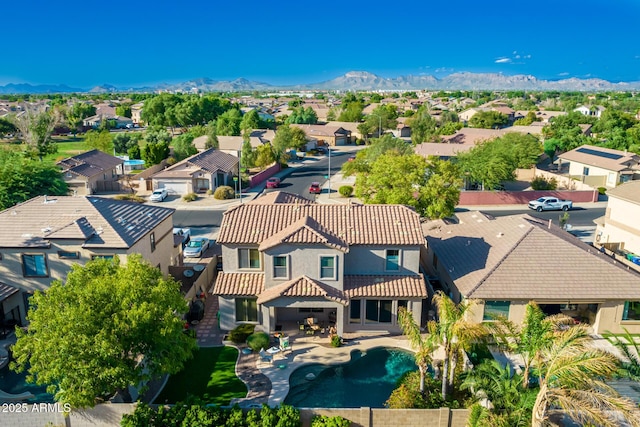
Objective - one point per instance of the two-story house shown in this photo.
(352, 266)
(92, 172)
(619, 228)
(41, 239)
(600, 166)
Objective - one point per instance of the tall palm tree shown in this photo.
(572, 373)
(536, 332)
(422, 345)
(455, 333)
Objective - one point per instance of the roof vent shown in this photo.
(46, 230)
(500, 234)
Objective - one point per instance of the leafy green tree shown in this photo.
(303, 115)
(407, 394)
(441, 193)
(109, 326)
(228, 123)
(212, 136)
(36, 126)
(101, 140)
(264, 156)
(6, 127)
(123, 141)
(134, 152)
(288, 137)
(77, 113)
(157, 134)
(154, 153)
(123, 111)
(160, 110)
(248, 155)
(183, 146)
(351, 112)
(489, 120)
(550, 147)
(566, 129)
(423, 346)
(250, 121)
(423, 128)
(573, 373)
(454, 333)
(22, 178)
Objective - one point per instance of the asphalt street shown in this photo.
(578, 216)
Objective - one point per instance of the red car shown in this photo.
(273, 182)
(315, 188)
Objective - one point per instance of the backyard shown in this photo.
(210, 375)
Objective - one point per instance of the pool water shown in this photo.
(11, 382)
(367, 380)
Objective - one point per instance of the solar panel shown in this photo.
(597, 153)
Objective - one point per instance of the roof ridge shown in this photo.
(502, 259)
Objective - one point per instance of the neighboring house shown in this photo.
(602, 167)
(119, 122)
(402, 130)
(92, 172)
(595, 111)
(42, 238)
(443, 151)
(136, 113)
(505, 262)
(619, 228)
(327, 134)
(233, 144)
(201, 172)
(286, 260)
(544, 117)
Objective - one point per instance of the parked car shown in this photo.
(315, 188)
(196, 247)
(351, 158)
(184, 233)
(273, 182)
(550, 204)
(159, 195)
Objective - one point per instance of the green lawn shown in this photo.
(210, 375)
(67, 147)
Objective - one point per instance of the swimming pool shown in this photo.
(133, 162)
(367, 380)
(14, 383)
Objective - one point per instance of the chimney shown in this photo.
(45, 198)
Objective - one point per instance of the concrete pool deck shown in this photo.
(306, 351)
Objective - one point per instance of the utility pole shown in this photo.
(240, 176)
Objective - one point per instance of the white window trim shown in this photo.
(335, 267)
(399, 259)
(287, 276)
(248, 249)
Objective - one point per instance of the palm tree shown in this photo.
(423, 346)
(572, 372)
(630, 351)
(455, 333)
(536, 332)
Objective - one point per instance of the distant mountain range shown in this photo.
(355, 80)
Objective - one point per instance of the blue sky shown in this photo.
(140, 42)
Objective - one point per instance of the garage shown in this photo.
(174, 187)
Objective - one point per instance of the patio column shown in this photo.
(340, 310)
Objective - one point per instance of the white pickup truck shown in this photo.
(550, 204)
(184, 233)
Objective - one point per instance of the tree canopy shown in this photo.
(108, 327)
(35, 126)
(100, 140)
(183, 146)
(303, 115)
(123, 141)
(489, 120)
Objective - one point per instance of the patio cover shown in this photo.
(303, 287)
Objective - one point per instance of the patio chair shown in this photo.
(265, 357)
(285, 344)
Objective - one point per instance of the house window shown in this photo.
(494, 309)
(392, 260)
(152, 238)
(354, 311)
(68, 255)
(585, 171)
(246, 310)
(34, 265)
(327, 267)
(378, 311)
(248, 258)
(280, 267)
(631, 310)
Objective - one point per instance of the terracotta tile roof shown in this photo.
(211, 161)
(100, 222)
(303, 287)
(322, 130)
(6, 291)
(427, 149)
(354, 224)
(89, 164)
(605, 158)
(242, 284)
(279, 197)
(363, 286)
(519, 257)
(629, 191)
(305, 230)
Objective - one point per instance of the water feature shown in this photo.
(16, 383)
(367, 380)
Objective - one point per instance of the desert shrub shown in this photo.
(336, 341)
(541, 183)
(407, 393)
(130, 198)
(190, 197)
(602, 191)
(258, 340)
(209, 192)
(325, 421)
(345, 190)
(240, 334)
(224, 192)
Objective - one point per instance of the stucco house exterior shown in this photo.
(91, 172)
(327, 134)
(619, 228)
(201, 172)
(503, 263)
(287, 258)
(595, 111)
(602, 167)
(42, 238)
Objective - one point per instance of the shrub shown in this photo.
(336, 341)
(224, 192)
(209, 192)
(345, 190)
(407, 393)
(602, 191)
(258, 340)
(191, 197)
(541, 183)
(324, 421)
(240, 334)
(130, 197)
